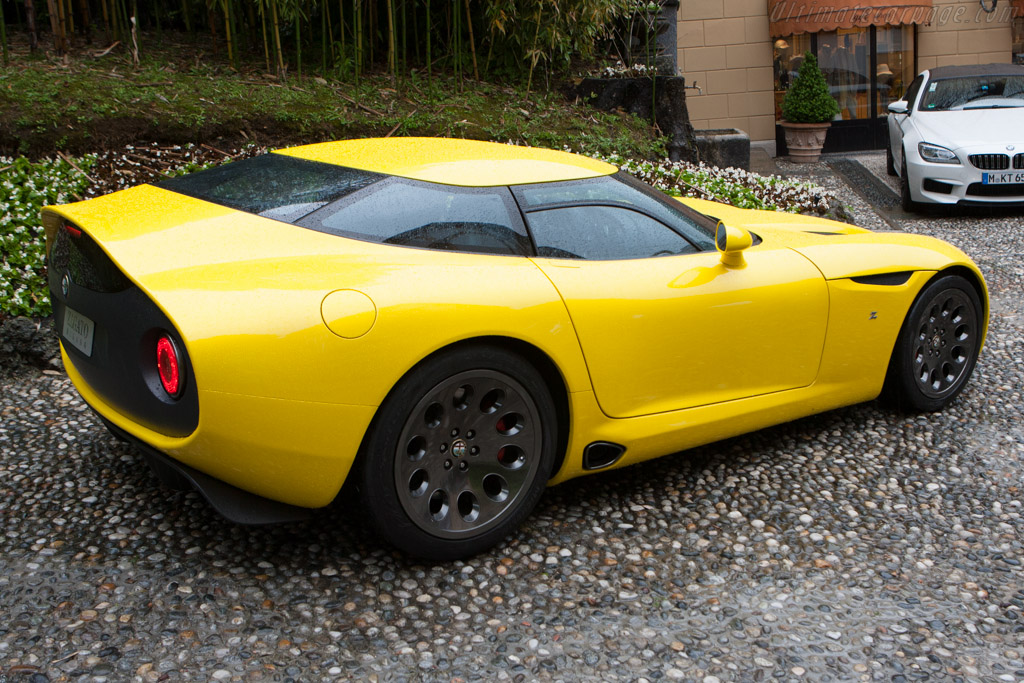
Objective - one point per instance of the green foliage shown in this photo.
(529, 33)
(350, 38)
(808, 99)
(25, 188)
(170, 99)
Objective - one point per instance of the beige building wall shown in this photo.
(724, 46)
(962, 33)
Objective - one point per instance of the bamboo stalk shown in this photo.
(30, 21)
(472, 44)
(69, 18)
(184, 15)
(226, 7)
(330, 32)
(83, 9)
(358, 9)
(341, 26)
(57, 26)
(323, 41)
(429, 31)
(266, 46)
(134, 33)
(298, 45)
(277, 39)
(392, 61)
(533, 55)
(3, 36)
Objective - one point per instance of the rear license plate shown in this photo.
(1009, 177)
(78, 331)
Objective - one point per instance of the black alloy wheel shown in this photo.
(459, 453)
(938, 346)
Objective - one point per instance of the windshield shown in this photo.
(974, 92)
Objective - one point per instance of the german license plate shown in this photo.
(78, 331)
(1006, 177)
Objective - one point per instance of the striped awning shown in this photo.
(789, 17)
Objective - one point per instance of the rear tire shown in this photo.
(938, 346)
(459, 453)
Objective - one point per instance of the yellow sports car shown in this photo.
(449, 326)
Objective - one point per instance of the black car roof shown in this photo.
(969, 70)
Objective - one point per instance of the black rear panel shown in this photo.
(121, 367)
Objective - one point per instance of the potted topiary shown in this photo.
(807, 112)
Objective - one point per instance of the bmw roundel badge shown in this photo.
(65, 285)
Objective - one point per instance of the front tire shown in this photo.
(459, 454)
(938, 346)
(890, 162)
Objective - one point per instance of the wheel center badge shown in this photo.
(65, 285)
(459, 448)
(936, 342)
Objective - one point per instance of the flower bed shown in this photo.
(734, 186)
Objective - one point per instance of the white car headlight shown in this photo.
(936, 153)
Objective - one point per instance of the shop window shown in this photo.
(1018, 40)
(865, 68)
(788, 55)
(895, 64)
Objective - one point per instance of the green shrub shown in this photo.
(808, 99)
(25, 188)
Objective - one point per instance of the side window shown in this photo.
(624, 190)
(416, 214)
(602, 233)
(912, 91)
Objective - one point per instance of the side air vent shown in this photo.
(884, 279)
(601, 454)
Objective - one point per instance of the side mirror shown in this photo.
(898, 107)
(730, 243)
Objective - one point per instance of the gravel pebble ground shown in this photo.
(856, 545)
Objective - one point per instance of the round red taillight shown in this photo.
(168, 366)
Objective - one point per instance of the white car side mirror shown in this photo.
(898, 107)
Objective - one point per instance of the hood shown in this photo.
(971, 127)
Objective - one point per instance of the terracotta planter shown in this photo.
(805, 140)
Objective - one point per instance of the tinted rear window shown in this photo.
(411, 213)
(272, 185)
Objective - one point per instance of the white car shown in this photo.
(957, 136)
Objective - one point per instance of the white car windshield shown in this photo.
(975, 92)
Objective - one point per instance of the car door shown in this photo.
(664, 325)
